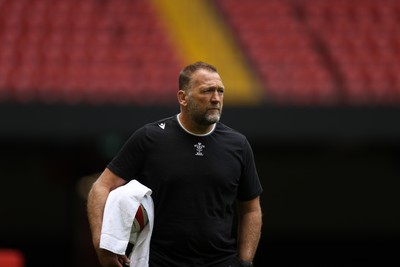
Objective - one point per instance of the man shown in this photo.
(198, 170)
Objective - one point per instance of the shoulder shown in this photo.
(228, 136)
(229, 132)
(159, 128)
(232, 140)
(161, 125)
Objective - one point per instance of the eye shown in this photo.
(212, 90)
(208, 90)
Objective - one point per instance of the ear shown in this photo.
(182, 97)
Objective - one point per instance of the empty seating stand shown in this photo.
(92, 51)
(281, 51)
(306, 52)
(321, 52)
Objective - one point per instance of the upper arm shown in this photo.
(109, 180)
(252, 205)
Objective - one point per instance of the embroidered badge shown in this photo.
(199, 149)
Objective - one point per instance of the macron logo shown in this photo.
(162, 125)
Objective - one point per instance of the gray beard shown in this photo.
(202, 118)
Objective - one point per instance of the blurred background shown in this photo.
(313, 84)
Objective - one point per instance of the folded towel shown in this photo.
(119, 213)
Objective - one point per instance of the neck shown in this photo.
(194, 128)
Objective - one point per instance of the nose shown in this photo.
(216, 96)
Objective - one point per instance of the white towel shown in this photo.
(119, 213)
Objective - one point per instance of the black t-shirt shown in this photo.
(195, 181)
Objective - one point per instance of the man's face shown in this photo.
(205, 97)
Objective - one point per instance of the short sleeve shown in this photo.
(126, 164)
(249, 184)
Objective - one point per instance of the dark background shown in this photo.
(330, 178)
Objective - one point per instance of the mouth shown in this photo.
(214, 108)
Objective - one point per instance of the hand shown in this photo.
(110, 259)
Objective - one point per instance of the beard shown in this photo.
(203, 116)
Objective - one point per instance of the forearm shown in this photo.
(97, 198)
(249, 233)
(95, 208)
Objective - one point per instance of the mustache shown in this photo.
(215, 107)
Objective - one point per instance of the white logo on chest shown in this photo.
(199, 149)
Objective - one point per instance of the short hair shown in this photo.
(185, 75)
